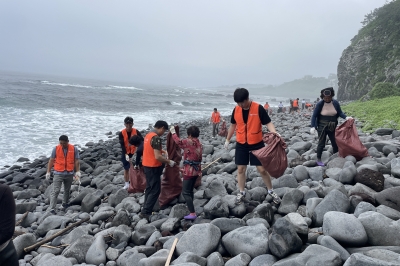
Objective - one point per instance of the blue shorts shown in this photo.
(125, 163)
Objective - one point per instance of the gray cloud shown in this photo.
(189, 43)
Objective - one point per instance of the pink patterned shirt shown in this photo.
(192, 151)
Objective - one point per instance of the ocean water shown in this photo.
(35, 110)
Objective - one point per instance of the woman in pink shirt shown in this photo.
(192, 156)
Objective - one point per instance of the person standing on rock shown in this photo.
(325, 119)
(193, 151)
(215, 120)
(280, 107)
(127, 149)
(266, 106)
(8, 254)
(137, 141)
(153, 164)
(65, 158)
(303, 104)
(247, 119)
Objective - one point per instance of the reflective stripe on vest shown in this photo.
(130, 149)
(252, 131)
(148, 159)
(215, 116)
(64, 163)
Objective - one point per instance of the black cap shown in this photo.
(128, 120)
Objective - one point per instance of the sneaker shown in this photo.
(319, 163)
(144, 216)
(239, 198)
(190, 217)
(275, 198)
(126, 186)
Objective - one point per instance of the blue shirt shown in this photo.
(318, 109)
(53, 156)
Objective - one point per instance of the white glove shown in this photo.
(48, 176)
(127, 157)
(209, 122)
(136, 167)
(277, 134)
(312, 131)
(349, 117)
(172, 130)
(226, 144)
(171, 163)
(77, 176)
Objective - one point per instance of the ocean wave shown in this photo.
(125, 87)
(45, 82)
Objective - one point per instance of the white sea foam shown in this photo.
(125, 87)
(45, 82)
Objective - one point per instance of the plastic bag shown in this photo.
(348, 141)
(171, 182)
(223, 131)
(137, 180)
(273, 155)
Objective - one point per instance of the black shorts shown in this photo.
(125, 163)
(243, 154)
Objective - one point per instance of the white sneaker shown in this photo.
(126, 186)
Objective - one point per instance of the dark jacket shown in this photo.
(7, 210)
(318, 109)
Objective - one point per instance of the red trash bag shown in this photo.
(348, 141)
(137, 180)
(171, 181)
(273, 155)
(223, 131)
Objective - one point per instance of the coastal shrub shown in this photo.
(383, 90)
(376, 113)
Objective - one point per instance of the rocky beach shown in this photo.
(345, 213)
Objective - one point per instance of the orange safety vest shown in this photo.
(252, 131)
(266, 106)
(216, 117)
(62, 163)
(148, 159)
(130, 149)
(295, 103)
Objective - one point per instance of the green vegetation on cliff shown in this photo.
(377, 113)
(382, 90)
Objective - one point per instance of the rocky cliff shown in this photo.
(373, 55)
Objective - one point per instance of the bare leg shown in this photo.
(126, 175)
(241, 176)
(265, 176)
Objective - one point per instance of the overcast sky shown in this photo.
(188, 43)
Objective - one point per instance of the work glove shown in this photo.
(226, 144)
(136, 167)
(48, 176)
(77, 176)
(312, 131)
(279, 135)
(349, 117)
(172, 130)
(171, 163)
(127, 157)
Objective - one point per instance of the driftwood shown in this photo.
(38, 244)
(22, 219)
(208, 165)
(171, 252)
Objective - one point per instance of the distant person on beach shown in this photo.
(303, 104)
(137, 141)
(192, 156)
(291, 106)
(8, 254)
(295, 105)
(280, 107)
(153, 164)
(127, 149)
(266, 106)
(65, 158)
(247, 120)
(324, 120)
(215, 120)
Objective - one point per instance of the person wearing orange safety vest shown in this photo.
(215, 120)
(247, 120)
(266, 106)
(296, 105)
(65, 159)
(127, 149)
(153, 164)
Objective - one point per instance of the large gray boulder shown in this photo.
(132, 257)
(54, 260)
(363, 207)
(142, 234)
(227, 225)
(215, 259)
(23, 241)
(263, 260)
(334, 201)
(344, 228)
(79, 248)
(51, 222)
(358, 259)
(252, 240)
(190, 257)
(313, 255)
(290, 201)
(96, 254)
(283, 239)
(207, 238)
(381, 230)
(331, 243)
(216, 208)
(90, 201)
(389, 197)
(241, 259)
